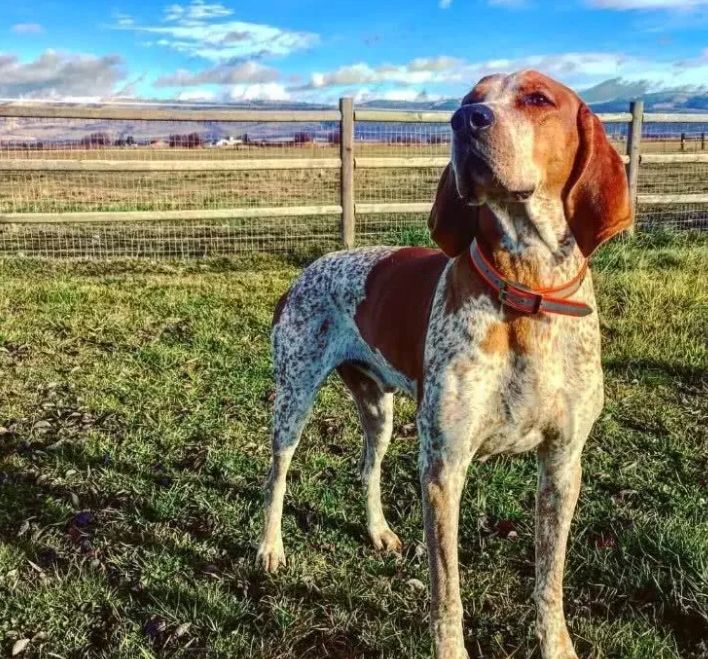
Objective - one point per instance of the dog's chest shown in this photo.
(525, 398)
(511, 400)
(505, 385)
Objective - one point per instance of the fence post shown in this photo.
(633, 151)
(703, 141)
(346, 150)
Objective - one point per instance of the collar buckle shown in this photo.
(537, 302)
(503, 293)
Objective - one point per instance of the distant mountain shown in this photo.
(615, 90)
(668, 101)
(614, 96)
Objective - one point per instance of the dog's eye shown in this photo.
(537, 99)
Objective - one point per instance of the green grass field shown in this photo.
(134, 414)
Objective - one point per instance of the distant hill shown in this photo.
(614, 95)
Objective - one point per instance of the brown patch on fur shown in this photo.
(497, 339)
(555, 141)
(279, 308)
(518, 334)
(393, 317)
(527, 334)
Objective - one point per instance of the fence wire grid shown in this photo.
(54, 191)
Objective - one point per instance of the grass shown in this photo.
(134, 441)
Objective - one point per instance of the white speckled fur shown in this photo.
(316, 333)
(474, 405)
(475, 402)
(477, 405)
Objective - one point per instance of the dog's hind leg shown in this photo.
(300, 363)
(290, 414)
(375, 407)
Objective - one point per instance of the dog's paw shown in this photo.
(271, 556)
(385, 539)
(558, 646)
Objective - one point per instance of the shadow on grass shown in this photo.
(236, 572)
(24, 498)
(690, 374)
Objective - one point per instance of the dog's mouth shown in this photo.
(478, 180)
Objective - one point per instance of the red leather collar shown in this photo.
(526, 300)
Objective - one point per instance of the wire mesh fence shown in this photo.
(186, 239)
(104, 187)
(674, 177)
(674, 217)
(60, 192)
(376, 138)
(396, 185)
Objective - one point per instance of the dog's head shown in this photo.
(519, 135)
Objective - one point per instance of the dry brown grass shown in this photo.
(49, 192)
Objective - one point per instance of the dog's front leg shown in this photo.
(442, 477)
(559, 476)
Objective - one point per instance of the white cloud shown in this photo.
(27, 28)
(453, 76)
(198, 10)
(222, 74)
(396, 94)
(432, 64)
(201, 29)
(59, 75)
(647, 4)
(123, 20)
(445, 70)
(444, 4)
(417, 71)
(268, 91)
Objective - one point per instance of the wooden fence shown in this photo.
(348, 117)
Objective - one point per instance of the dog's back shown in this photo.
(369, 306)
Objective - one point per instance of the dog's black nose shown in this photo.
(474, 117)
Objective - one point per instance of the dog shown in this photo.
(496, 335)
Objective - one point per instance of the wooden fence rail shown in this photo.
(347, 117)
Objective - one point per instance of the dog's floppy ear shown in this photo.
(597, 204)
(452, 222)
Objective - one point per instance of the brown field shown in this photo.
(57, 192)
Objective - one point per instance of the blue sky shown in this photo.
(312, 50)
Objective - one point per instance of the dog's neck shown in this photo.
(530, 243)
